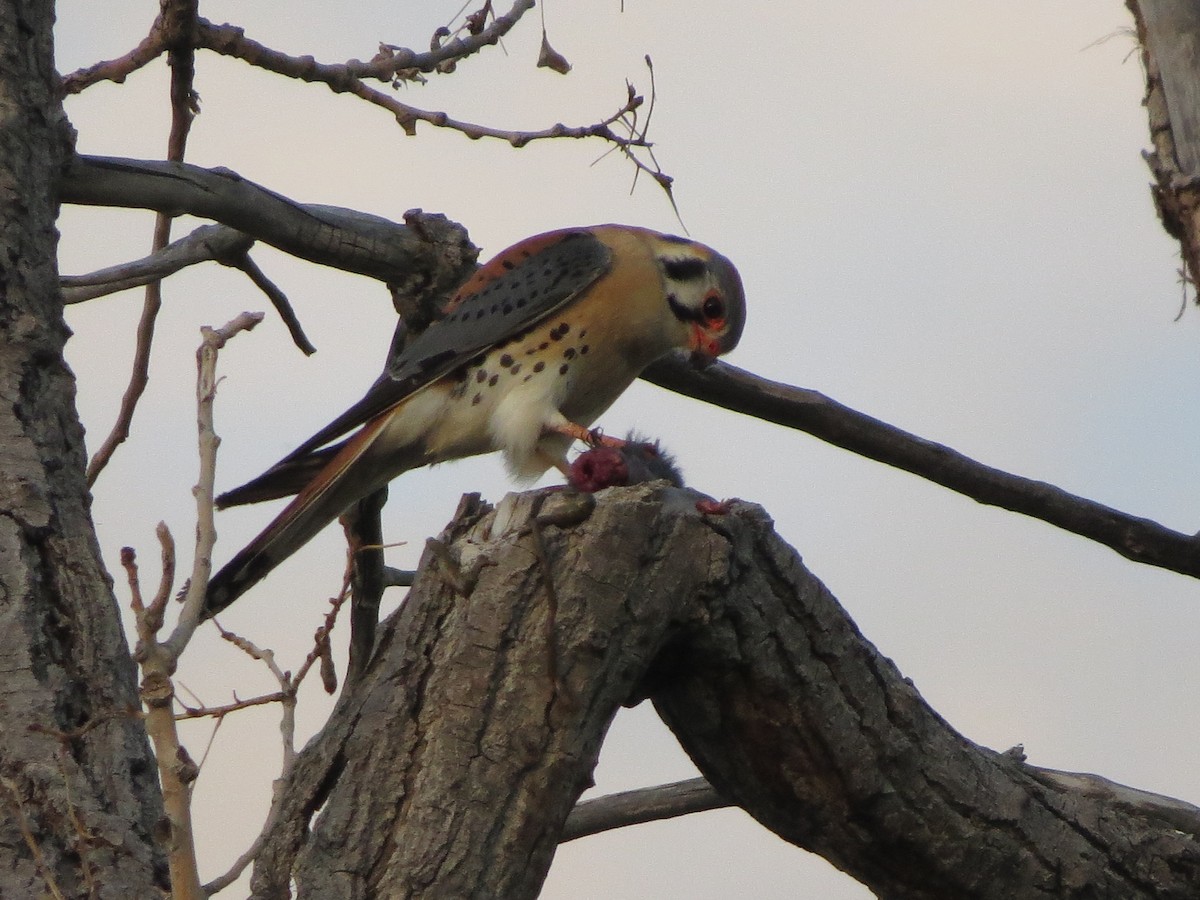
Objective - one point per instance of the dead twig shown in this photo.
(158, 659)
(117, 70)
(289, 686)
(278, 300)
(35, 850)
(176, 770)
(220, 712)
(392, 64)
(177, 20)
(207, 243)
(639, 806)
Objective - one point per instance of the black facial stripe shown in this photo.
(682, 313)
(684, 268)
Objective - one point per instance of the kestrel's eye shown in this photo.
(713, 307)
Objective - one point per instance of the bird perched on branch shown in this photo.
(528, 353)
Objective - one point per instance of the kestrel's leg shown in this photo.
(593, 437)
(558, 461)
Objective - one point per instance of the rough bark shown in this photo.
(1169, 34)
(792, 714)
(451, 768)
(430, 256)
(78, 797)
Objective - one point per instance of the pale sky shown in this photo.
(941, 216)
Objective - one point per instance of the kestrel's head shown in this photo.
(704, 293)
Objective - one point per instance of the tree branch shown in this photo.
(426, 253)
(390, 64)
(407, 116)
(224, 196)
(1166, 31)
(363, 526)
(393, 63)
(208, 243)
(638, 807)
(449, 769)
(117, 70)
(175, 23)
(1135, 538)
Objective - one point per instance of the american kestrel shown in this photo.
(529, 352)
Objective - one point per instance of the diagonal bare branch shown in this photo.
(117, 70)
(666, 801)
(278, 300)
(175, 24)
(434, 252)
(390, 64)
(351, 77)
(1135, 538)
(408, 116)
(207, 243)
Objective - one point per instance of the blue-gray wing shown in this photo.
(511, 294)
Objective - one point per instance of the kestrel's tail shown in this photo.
(345, 478)
(284, 479)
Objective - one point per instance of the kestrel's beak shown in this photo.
(704, 347)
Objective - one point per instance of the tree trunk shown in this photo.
(1169, 34)
(78, 794)
(451, 768)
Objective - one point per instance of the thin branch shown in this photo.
(344, 239)
(289, 685)
(407, 117)
(351, 77)
(117, 70)
(390, 64)
(157, 659)
(638, 807)
(176, 770)
(140, 375)
(393, 577)
(219, 712)
(154, 614)
(206, 532)
(208, 243)
(1135, 538)
(287, 729)
(278, 300)
(176, 20)
(365, 577)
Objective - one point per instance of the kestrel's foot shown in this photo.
(636, 461)
(593, 437)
